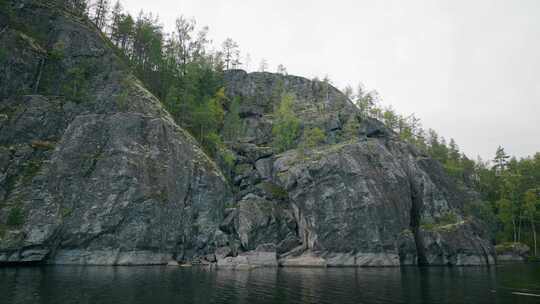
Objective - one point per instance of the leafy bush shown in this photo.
(228, 158)
(286, 128)
(313, 137)
(351, 128)
(446, 219)
(57, 52)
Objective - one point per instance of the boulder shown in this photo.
(512, 252)
(263, 256)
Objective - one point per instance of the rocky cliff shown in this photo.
(369, 201)
(94, 171)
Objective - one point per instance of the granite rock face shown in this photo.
(369, 201)
(94, 171)
(100, 177)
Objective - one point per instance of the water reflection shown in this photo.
(286, 285)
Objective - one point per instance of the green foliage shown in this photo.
(228, 158)
(448, 218)
(454, 170)
(66, 212)
(483, 211)
(500, 160)
(75, 87)
(442, 222)
(57, 52)
(286, 127)
(233, 123)
(212, 143)
(3, 231)
(313, 137)
(15, 217)
(352, 128)
(30, 170)
(533, 259)
(3, 54)
(6, 10)
(122, 100)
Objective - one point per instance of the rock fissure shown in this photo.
(416, 218)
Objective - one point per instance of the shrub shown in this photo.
(313, 137)
(352, 128)
(57, 52)
(286, 126)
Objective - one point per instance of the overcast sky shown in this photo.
(468, 69)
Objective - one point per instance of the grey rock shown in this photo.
(262, 222)
(358, 197)
(98, 179)
(270, 247)
(307, 259)
(223, 252)
(264, 168)
(249, 260)
(512, 252)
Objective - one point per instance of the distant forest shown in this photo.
(186, 73)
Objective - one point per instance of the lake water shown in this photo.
(153, 285)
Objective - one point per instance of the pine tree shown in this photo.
(101, 12)
(453, 151)
(500, 160)
(281, 69)
(116, 17)
(313, 137)
(231, 53)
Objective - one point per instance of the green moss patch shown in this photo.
(15, 217)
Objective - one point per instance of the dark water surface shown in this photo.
(152, 285)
